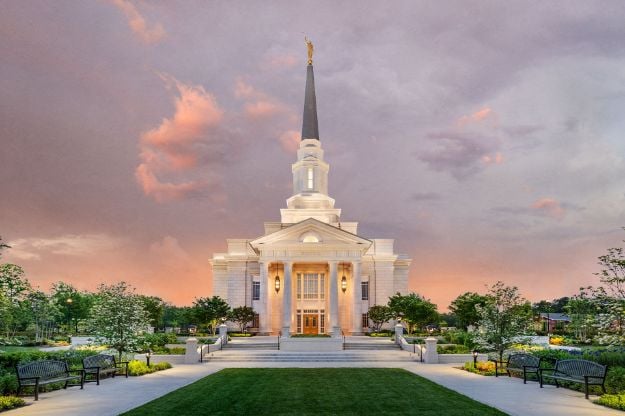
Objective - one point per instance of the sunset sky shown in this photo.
(485, 137)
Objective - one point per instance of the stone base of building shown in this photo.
(311, 344)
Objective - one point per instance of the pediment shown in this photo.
(313, 234)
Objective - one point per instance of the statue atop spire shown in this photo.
(311, 49)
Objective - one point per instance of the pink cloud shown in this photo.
(290, 140)
(485, 114)
(496, 159)
(549, 207)
(281, 61)
(260, 109)
(147, 33)
(178, 142)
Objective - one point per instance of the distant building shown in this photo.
(550, 322)
(310, 273)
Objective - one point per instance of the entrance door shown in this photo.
(311, 324)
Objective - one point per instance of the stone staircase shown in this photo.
(307, 357)
(250, 346)
(385, 345)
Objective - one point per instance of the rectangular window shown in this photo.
(365, 320)
(365, 290)
(322, 322)
(255, 290)
(256, 321)
(310, 178)
(299, 286)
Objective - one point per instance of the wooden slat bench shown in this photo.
(39, 373)
(520, 363)
(103, 364)
(586, 372)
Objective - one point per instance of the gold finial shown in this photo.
(311, 49)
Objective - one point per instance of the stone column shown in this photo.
(286, 299)
(431, 355)
(356, 299)
(334, 300)
(265, 321)
(191, 355)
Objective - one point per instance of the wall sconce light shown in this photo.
(277, 283)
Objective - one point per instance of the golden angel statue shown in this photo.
(311, 49)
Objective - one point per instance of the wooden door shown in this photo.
(311, 324)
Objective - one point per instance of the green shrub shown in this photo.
(240, 334)
(484, 368)
(615, 380)
(10, 402)
(615, 401)
(74, 358)
(461, 338)
(139, 368)
(452, 349)
(8, 383)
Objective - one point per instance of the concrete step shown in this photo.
(371, 346)
(268, 356)
(251, 346)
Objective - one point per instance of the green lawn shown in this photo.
(16, 348)
(319, 391)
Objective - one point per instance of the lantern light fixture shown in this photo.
(277, 283)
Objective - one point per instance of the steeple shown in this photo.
(310, 127)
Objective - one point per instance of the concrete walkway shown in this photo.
(116, 396)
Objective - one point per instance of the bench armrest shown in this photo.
(91, 368)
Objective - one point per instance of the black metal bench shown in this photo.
(103, 364)
(39, 373)
(522, 363)
(578, 371)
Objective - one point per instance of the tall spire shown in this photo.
(310, 126)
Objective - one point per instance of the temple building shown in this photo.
(311, 272)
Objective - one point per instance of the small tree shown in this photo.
(210, 311)
(242, 315)
(582, 309)
(414, 309)
(464, 308)
(15, 288)
(118, 317)
(504, 318)
(379, 315)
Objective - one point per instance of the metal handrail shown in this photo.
(343, 333)
(279, 335)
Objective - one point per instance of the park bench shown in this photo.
(519, 363)
(103, 364)
(39, 373)
(578, 371)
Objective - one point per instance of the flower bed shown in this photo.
(483, 368)
(139, 368)
(10, 402)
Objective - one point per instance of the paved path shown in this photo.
(116, 396)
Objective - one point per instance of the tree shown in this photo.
(209, 311)
(610, 297)
(242, 315)
(3, 246)
(118, 317)
(582, 309)
(15, 289)
(155, 307)
(379, 315)
(505, 316)
(74, 306)
(44, 312)
(414, 309)
(464, 308)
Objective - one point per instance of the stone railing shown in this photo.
(427, 354)
(195, 354)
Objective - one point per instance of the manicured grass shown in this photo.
(315, 391)
(17, 348)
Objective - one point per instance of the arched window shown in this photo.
(310, 237)
(310, 178)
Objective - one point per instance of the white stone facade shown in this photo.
(319, 261)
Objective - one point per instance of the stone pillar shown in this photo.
(191, 355)
(223, 332)
(265, 322)
(356, 299)
(334, 300)
(399, 333)
(431, 356)
(286, 299)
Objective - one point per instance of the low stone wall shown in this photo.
(459, 358)
(311, 344)
(155, 359)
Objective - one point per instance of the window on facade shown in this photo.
(310, 178)
(310, 286)
(365, 290)
(365, 320)
(256, 321)
(255, 290)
